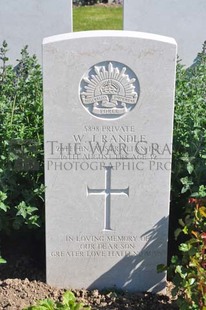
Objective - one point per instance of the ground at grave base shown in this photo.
(22, 283)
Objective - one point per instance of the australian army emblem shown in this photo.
(109, 90)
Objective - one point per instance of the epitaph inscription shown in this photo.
(107, 192)
(105, 246)
(109, 90)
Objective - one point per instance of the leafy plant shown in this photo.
(189, 139)
(187, 270)
(68, 303)
(21, 143)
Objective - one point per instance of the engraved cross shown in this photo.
(107, 192)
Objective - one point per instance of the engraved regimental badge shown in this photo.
(109, 90)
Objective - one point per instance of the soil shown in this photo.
(22, 282)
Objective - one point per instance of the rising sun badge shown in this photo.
(109, 90)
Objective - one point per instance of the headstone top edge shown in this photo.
(109, 33)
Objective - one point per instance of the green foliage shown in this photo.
(188, 269)
(68, 303)
(189, 140)
(21, 143)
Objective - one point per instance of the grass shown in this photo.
(97, 18)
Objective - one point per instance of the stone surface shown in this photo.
(108, 104)
(27, 22)
(183, 20)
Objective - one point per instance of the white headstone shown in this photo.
(108, 104)
(27, 22)
(184, 20)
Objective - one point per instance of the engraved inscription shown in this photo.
(109, 90)
(110, 246)
(107, 192)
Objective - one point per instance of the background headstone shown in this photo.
(108, 104)
(184, 20)
(27, 22)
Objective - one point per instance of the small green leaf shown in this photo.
(47, 304)
(3, 207)
(185, 189)
(3, 196)
(192, 281)
(178, 269)
(184, 247)
(180, 221)
(174, 259)
(177, 233)
(78, 306)
(68, 297)
(190, 168)
(2, 261)
(185, 230)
